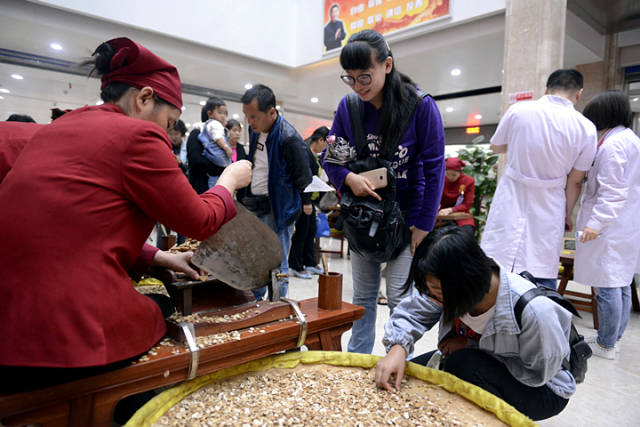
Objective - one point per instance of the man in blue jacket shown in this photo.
(280, 171)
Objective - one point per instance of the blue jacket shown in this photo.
(289, 172)
(533, 354)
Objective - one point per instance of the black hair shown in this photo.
(233, 122)
(321, 132)
(609, 109)
(112, 92)
(333, 6)
(399, 91)
(20, 118)
(263, 94)
(211, 104)
(180, 127)
(569, 80)
(454, 257)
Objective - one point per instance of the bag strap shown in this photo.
(357, 126)
(536, 292)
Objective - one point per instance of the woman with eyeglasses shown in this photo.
(387, 98)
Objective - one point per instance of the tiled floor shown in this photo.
(610, 394)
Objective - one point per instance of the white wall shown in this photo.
(290, 34)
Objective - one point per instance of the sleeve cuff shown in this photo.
(229, 206)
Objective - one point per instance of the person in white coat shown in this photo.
(608, 250)
(549, 147)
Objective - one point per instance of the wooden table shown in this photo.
(585, 301)
(90, 401)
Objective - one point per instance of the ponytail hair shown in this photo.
(399, 91)
(101, 62)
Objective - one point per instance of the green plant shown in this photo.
(479, 166)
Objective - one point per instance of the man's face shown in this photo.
(334, 14)
(259, 121)
(175, 137)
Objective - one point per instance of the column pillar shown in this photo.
(533, 48)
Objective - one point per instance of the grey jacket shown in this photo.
(533, 355)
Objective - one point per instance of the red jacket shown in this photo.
(465, 184)
(77, 207)
(13, 138)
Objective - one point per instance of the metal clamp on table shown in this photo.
(194, 350)
(301, 317)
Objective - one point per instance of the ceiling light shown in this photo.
(477, 116)
(188, 125)
(277, 107)
(634, 99)
(100, 102)
(184, 108)
(314, 100)
(1, 97)
(56, 46)
(449, 109)
(3, 90)
(203, 103)
(236, 116)
(17, 77)
(248, 86)
(455, 72)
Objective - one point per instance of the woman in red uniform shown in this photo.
(77, 207)
(457, 194)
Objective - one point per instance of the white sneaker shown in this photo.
(605, 353)
(593, 339)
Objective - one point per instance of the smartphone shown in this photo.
(377, 177)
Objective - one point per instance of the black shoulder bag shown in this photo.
(580, 350)
(374, 228)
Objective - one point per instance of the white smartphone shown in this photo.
(377, 177)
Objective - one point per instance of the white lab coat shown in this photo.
(546, 139)
(611, 205)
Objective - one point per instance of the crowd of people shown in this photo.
(86, 190)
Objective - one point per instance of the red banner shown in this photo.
(345, 17)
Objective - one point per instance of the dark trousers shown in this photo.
(303, 242)
(479, 368)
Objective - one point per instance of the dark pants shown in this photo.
(303, 242)
(479, 368)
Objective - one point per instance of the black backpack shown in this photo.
(580, 350)
(375, 229)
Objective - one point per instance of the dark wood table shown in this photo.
(90, 401)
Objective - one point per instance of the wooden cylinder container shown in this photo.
(330, 291)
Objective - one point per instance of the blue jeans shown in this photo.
(285, 240)
(614, 306)
(366, 283)
(548, 283)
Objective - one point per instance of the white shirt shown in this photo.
(260, 176)
(215, 129)
(546, 139)
(610, 204)
(478, 323)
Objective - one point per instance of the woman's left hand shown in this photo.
(417, 236)
(451, 345)
(176, 262)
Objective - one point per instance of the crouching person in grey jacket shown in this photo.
(473, 298)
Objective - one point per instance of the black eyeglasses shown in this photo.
(363, 79)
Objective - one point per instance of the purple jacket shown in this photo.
(418, 162)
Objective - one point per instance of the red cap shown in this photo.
(454, 163)
(135, 65)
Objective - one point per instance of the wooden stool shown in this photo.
(334, 235)
(583, 301)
